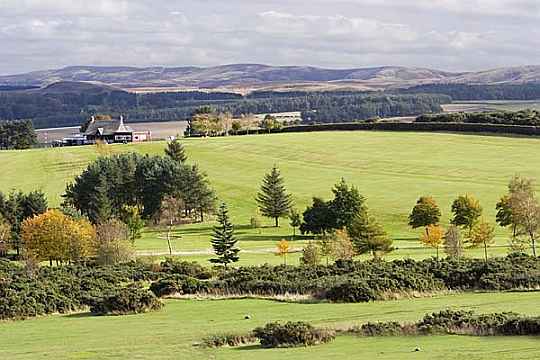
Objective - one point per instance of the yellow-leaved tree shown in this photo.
(54, 236)
(433, 237)
(283, 249)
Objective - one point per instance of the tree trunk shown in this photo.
(485, 252)
(437, 253)
(294, 232)
(169, 229)
(533, 244)
(202, 215)
(277, 221)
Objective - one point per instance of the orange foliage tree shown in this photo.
(433, 237)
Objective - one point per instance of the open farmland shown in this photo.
(390, 169)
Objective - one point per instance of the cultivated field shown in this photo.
(172, 332)
(390, 169)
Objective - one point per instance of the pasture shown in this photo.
(390, 169)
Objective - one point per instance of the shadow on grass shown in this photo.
(79, 315)
(249, 347)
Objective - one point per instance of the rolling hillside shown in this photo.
(244, 77)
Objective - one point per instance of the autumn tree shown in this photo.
(342, 247)
(368, 236)
(175, 150)
(223, 239)
(426, 212)
(310, 255)
(433, 237)
(273, 199)
(114, 245)
(467, 211)
(453, 243)
(171, 212)
(283, 249)
(53, 236)
(482, 235)
(295, 220)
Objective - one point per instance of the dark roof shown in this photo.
(107, 127)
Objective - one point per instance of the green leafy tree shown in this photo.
(273, 199)
(296, 220)
(347, 203)
(223, 240)
(131, 216)
(467, 211)
(318, 218)
(426, 212)
(505, 217)
(175, 150)
(368, 236)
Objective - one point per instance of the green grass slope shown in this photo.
(171, 332)
(390, 169)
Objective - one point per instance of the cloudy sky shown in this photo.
(444, 34)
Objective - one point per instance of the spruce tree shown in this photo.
(223, 240)
(273, 200)
(175, 150)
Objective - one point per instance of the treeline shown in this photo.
(463, 92)
(18, 134)
(523, 117)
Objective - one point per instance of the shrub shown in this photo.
(381, 329)
(192, 269)
(129, 300)
(292, 334)
(352, 291)
(220, 340)
(178, 284)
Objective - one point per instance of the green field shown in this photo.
(172, 332)
(391, 170)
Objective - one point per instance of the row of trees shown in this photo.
(523, 117)
(518, 210)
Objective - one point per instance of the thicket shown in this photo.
(292, 334)
(466, 92)
(457, 322)
(17, 134)
(130, 300)
(523, 118)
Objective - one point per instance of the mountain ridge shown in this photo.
(268, 77)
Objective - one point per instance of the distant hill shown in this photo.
(248, 77)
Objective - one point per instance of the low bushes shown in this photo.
(351, 291)
(129, 300)
(220, 340)
(292, 334)
(178, 284)
(457, 322)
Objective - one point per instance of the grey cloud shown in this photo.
(446, 34)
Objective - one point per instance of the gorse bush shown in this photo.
(130, 300)
(178, 284)
(220, 340)
(292, 334)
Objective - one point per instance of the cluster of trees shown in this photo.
(142, 181)
(518, 210)
(15, 208)
(336, 109)
(524, 117)
(17, 134)
(464, 92)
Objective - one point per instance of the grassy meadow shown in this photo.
(390, 169)
(172, 332)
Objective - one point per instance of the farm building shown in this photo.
(114, 131)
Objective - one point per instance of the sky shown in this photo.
(453, 35)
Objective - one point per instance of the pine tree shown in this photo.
(223, 240)
(175, 150)
(368, 236)
(273, 200)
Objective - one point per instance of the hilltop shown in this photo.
(247, 77)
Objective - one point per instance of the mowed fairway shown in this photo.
(390, 169)
(172, 332)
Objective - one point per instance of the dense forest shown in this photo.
(524, 117)
(69, 104)
(463, 92)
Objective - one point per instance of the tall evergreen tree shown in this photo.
(368, 236)
(175, 150)
(273, 200)
(223, 240)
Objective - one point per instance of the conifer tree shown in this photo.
(175, 150)
(273, 200)
(223, 240)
